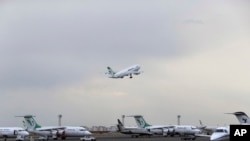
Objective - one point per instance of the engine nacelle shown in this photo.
(62, 134)
(137, 73)
(54, 134)
(171, 130)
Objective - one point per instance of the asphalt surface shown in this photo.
(120, 137)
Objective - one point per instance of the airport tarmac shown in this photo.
(121, 137)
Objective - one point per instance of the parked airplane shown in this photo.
(133, 131)
(182, 130)
(13, 132)
(125, 72)
(208, 130)
(223, 133)
(53, 131)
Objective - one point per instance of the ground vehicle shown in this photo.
(88, 138)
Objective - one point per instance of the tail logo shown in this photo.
(244, 120)
(141, 122)
(31, 122)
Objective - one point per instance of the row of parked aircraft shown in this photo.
(31, 127)
(186, 131)
(143, 128)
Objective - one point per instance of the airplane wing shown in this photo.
(203, 135)
(50, 128)
(137, 72)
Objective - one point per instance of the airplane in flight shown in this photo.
(125, 72)
(165, 130)
(13, 132)
(133, 131)
(53, 131)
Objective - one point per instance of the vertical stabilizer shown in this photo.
(242, 117)
(120, 126)
(30, 123)
(140, 121)
(110, 71)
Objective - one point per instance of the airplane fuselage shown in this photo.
(127, 72)
(67, 131)
(221, 134)
(13, 132)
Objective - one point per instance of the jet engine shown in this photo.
(62, 134)
(137, 73)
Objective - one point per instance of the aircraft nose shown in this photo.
(24, 133)
(88, 133)
(213, 137)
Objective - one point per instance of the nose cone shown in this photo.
(215, 137)
(88, 133)
(24, 133)
(197, 131)
(137, 67)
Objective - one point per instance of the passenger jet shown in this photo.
(13, 132)
(125, 72)
(223, 133)
(53, 131)
(133, 131)
(182, 130)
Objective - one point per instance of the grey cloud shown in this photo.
(193, 21)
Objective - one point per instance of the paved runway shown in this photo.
(119, 137)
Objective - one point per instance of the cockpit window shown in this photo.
(221, 131)
(82, 130)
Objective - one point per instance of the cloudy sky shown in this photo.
(194, 54)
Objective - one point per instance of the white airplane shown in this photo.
(125, 72)
(53, 131)
(133, 131)
(182, 130)
(208, 130)
(13, 132)
(223, 133)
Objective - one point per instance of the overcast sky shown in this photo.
(54, 55)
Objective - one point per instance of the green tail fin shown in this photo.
(141, 121)
(30, 123)
(110, 71)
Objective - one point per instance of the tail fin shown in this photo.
(110, 71)
(140, 121)
(120, 125)
(30, 123)
(242, 117)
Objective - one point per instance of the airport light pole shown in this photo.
(59, 120)
(179, 119)
(123, 117)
